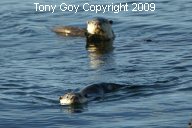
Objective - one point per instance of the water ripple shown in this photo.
(152, 57)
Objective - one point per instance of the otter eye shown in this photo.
(111, 22)
(67, 96)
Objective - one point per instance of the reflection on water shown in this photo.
(100, 53)
(74, 108)
(98, 60)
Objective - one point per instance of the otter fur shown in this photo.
(88, 93)
(97, 28)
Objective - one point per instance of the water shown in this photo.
(37, 66)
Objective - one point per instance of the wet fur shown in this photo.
(97, 28)
(88, 93)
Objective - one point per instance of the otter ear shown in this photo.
(111, 22)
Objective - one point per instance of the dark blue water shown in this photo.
(152, 55)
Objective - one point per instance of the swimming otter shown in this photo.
(88, 93)
(97, 29)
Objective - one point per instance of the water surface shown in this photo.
(153, 53)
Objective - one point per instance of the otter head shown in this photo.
(72, 98)
(101, 27)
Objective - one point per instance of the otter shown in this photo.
(98, 28)
(88, 93)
